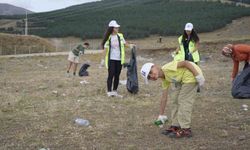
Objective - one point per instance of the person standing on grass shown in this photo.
(73, 57)
(180, 79)
(114, 51)
(188, 45)
(239, 53)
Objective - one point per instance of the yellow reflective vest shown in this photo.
(181, 55)
(122, 49)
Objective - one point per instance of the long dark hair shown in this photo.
(106, 35)
(193, 36)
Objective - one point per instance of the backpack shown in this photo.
(132, 77)
(241, 84)
(83, 71)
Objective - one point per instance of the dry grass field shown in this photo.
(39, 105)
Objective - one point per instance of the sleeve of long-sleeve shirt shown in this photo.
(243, 49)
(235, 68)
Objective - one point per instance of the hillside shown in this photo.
(241, 1)
(7, 9)
(19, 44)
(138, 18)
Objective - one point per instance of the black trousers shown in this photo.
(114, 71)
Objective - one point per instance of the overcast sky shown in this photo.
(44, 5)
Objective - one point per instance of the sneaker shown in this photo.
(184, 132)
(171, 129)
(117, 95)
(110, 94)
(67, 75)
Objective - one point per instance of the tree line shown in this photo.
(138, 18)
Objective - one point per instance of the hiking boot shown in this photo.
(184, 132)
(171, 129)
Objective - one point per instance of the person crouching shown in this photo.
(183, 78)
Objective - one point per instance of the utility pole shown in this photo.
(26, 24)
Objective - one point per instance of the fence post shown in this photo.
(15, 49)
(43, 49)
(1, 53)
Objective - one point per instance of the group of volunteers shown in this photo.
(180, 78)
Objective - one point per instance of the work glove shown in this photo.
(131, 46)
(162, 118)
(200, 79)
(102, 63)
(173, 54)
(126, 65)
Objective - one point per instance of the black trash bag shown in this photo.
(190, 57)
(241, 84)
(83, 71)
(132, 77)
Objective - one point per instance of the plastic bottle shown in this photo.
(159, 123)
(82, 122)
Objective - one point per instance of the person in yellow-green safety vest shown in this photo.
(114, 51)
(188, 45)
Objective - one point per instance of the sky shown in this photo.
(44, 5)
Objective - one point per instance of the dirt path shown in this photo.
(47, 54)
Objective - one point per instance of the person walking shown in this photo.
(114, 50)
(180, 79)
(188, 45)
(238, 53)
(74, 57)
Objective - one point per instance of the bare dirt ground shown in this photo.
(39, 104)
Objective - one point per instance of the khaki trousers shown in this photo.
(181, 102)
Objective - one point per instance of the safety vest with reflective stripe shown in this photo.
(122, 49)
(181, 55)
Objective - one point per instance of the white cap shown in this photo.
(189, 27)
(145, 69)
(113, 23)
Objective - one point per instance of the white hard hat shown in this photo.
(145, 69)
(113, 23)
(189, 27)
